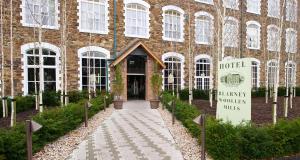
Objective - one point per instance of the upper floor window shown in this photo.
(204, 28)
(253, 6)
(40, 13)
(231, 32)
(233, 4)
(274, 8)
(291, 41)
(253, 35)
(173, 23)
(206, 1)
(291, 10)
(137, 19)
(273, 38)
(93, 17)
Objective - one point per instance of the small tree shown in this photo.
(118, 85)
(156, 81)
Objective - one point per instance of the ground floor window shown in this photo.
(272, 71)
(93, 70)
(290, 73)
(255, 74)
(33, 70)
(173, 67)
(202, 77)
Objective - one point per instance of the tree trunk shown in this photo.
(13, 102)
(41, 71)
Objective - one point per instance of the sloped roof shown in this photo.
(133, 46)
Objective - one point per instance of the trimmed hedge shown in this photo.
(56, 123)
(248, 141)
(23, 104)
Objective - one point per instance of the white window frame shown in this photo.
(287, 14)
(80, 18)
(289, 41)
(179, 10)
(92, 49)
(35, 45)
(257, 36)
(258, 72)
(251, 2)
(182, 60)
(275, 68)
(227, 5)
(25, 24)
(272, 7)
(287, 74)
(211, 2)
(147, 6)
(270, 44)
(235, 40)
(211, 19)
(203, 56)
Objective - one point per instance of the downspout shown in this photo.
(115, 29)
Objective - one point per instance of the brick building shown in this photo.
(177, 34)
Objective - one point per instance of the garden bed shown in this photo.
(261, 112)
(21, 117)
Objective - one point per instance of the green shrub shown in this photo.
(246, 141)
(297, 91)
(23, 104)
(56, 123)
(201, 94)
(259, 92)
(51, 98)
(76, 96)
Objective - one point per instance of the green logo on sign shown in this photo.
(232, 80)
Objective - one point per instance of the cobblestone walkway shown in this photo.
(136, 132)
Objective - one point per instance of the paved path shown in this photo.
(136, 132)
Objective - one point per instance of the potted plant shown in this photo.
(118, 88)
(156, 83)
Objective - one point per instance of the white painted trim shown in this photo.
(204, 14)
(87, 49)
(258, 70)
(269, 7)
(259, 34)
(285, 69)
(203, 56)
(29, 46)
(181, 11)
(271, 26)
(296, 16)
(254, 12)
(106, 31)
(182, 59)
(25, 24)
(201, 1)
(232, 7)
(229, 18)
(147, 6)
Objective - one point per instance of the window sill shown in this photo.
(93, 32)
(253, 48)
(172, 40)
(210, 3)
(203, 43)
(44, 26)
(137, 36)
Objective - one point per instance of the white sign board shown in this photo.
(234, 90)
(171, 79)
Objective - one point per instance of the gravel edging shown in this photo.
(63, 147)
(189, 146)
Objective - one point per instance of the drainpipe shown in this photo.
(115, 29)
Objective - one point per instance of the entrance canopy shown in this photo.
(133, 46)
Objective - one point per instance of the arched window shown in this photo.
(137, 19)
(93, 68)
(272, 72)
(273, 38)
(291, 41)
(50, 65)
(173, 22)
(255, 73)
(40, 12)
(290, 69)
(231, 32)
(291, 10)
(253, 35)
(93, 16)
(203, 68)
(204, 28)
(174, 65)
(274, 8)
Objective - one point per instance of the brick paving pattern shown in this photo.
(136, 132)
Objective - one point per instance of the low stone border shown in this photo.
(189, 146)
(63, 147)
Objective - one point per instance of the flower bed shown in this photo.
(225, 141)
(56, 123)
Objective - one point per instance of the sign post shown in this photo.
(234, 90)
